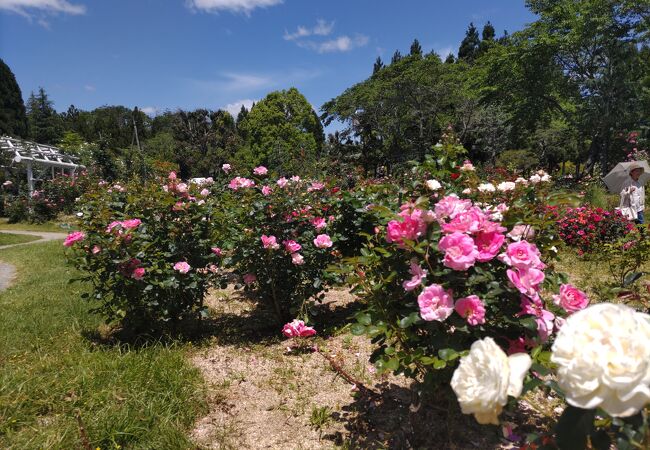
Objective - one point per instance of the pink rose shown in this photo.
(261, 170)
(204, 193)
(138, 273)
(239, 183)
(270, 242)
(571, 299)
(226, 168)
(297, 328)
(172, 175)
(319, 223)
(182, 267)
(527, 281)
(266, 190)
(322, 241)
(131, 223)
(488, 245)
(295, 178)
(418, 273)
(216, 250)
(182, 188)
(112, 225)
(316, 186)
(451, 206)
(96, 249)
(249, 278)
(472, 309)
(460, 251)
(544, 318)
(469, 221)
(410, 228)
(522, 255)
(73, 237)
(435, 303)
(282, 182)
(292, 246)
(297, 259)
(520, 232)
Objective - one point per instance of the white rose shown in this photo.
(545, 178)
(506, 186)
(467, 191)
(486, 187)
(433, 185)
(535, 179)
(521, 180)
(485, 378)
(603, 358)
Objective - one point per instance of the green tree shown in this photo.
(470, 44)
(13, 120)
(397, 57)
(379, 64)
(416, 49)
(283, 132)
(487, 37)
(45, 125)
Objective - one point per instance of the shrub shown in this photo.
(585, 228)
(147, 251)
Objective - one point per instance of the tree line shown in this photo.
(568, 88)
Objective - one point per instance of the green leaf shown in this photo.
(358, 329)
(574, 427)
(448, 354)
(364, 318)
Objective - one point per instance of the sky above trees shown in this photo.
(170, 54)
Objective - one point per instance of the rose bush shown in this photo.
(585, 228)
(147, 250)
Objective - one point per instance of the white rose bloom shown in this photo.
(467, 191)
(535, 179)
(433, 185)
(506, 186)
(603, 358)
(486, 377)
(545, 178)
(521, 180)
(486, 187)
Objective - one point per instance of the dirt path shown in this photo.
(7, 271)
(264, 395)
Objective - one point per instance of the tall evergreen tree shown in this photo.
(450, 59)
(487, 37)
(469, 46)
(45, 125)
(397, 56)
(416, 49)
(13, 120)
(379, 64)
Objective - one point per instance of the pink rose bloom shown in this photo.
(270, 242)
(239, 183)
(266, 190)
(181, 187)
(527, 281)
(418, 274)
(204, 192)
(488, 245)
(96, 249)
(522, 255)
(138, 273)
(297, 328)
(322, 241)
(249, 278)
(451, 206)
(460, 251)
(297, 259)
(226, 168)
(73, 237)
(520, 232)
(319, 223)
(112, 225)
(282, 182)
(472, 309)
(182, 267)
(295, 178)
(545, 324)
(410, 228)
(131, 223)
(260, 170)
(316, 186)
(292, 246)
(469, 221)
(216, 250)
(435, 303)
(571, 299)
(172, 175)
(559, 322)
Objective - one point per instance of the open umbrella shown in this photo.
(619, 174)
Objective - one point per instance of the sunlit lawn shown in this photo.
(9, 239)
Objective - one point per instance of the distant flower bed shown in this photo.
(584, 228)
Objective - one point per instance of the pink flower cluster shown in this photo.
(323, 241)
(270, 242)
(436, 303)
(297, 328)
(260, 170)
(73, 237)
(182, 267)
(132, 269)
(129, 224)
(239, 183)
(410, 228)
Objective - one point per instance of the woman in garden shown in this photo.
(633, 194)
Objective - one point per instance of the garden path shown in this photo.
(7, 271)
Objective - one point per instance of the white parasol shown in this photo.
(619, 174)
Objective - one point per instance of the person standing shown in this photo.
(633, 194)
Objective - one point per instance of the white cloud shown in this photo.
(234, 108)
(250, 84)
(150, 110)
(322, 28)
(340, 44)
(26, 7)
(89, 88)
(236, 6)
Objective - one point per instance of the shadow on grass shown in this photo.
(397, 418)
(250, 322)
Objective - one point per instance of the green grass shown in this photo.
(9, 239)
(127, 398)
(61, 225)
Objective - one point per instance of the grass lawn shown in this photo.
(61, 225)
(9, 239)
(50, 373)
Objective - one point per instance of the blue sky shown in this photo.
(168, 54)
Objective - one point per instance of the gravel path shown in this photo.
(7, 271)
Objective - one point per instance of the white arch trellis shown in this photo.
(36, 156)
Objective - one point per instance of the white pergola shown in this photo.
(33, 155)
